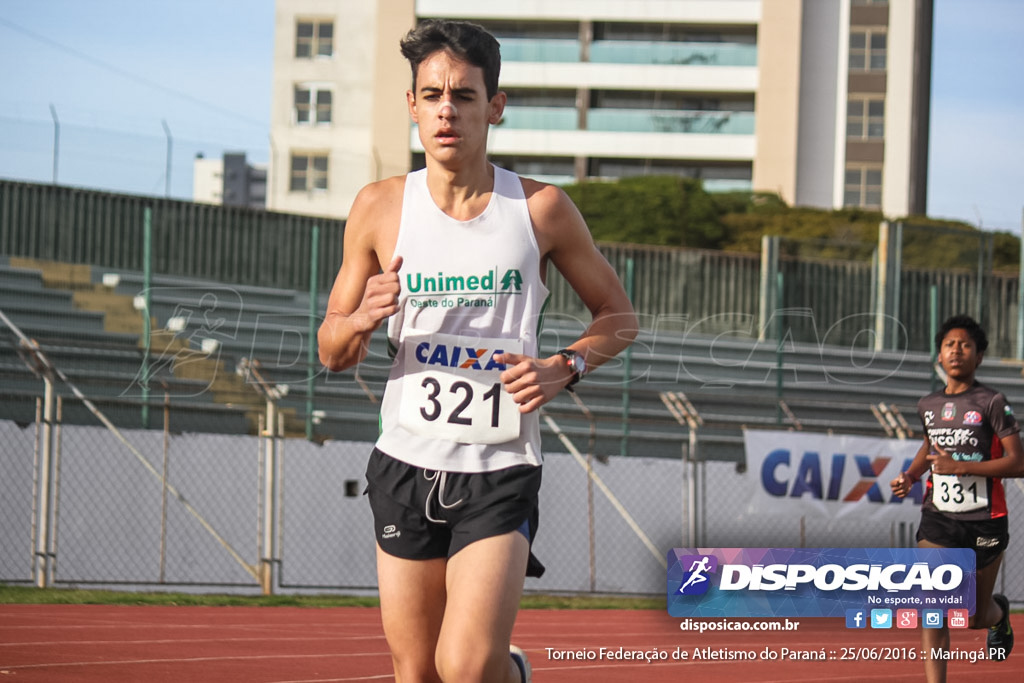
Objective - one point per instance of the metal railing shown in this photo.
(704, 290)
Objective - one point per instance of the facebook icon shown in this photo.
(856, 618)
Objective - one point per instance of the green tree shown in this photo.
(662, 210)
(672, 211)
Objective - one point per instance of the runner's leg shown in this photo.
(412, 606)
(987, 612)
(484, 582)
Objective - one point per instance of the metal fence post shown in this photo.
(933, 320)
(779, 339)
(44, 489)
(147, 282)
(314, 289)
(269, 500)
(1020, 295)
(890, 241)
(627, 367)
(769, 269)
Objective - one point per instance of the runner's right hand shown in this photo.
(380, 298)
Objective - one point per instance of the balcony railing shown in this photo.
(689, 54)
(631, 120)
(563, 50)
(539, 50)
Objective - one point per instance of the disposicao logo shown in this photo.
(825, 582)
(697, 581)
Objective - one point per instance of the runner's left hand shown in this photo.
(532, 381)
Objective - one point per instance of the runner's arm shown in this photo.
(564, 238)
(362, 297)
(902, 484)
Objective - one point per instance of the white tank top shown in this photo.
(469, 289)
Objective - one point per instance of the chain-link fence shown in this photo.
(192, 482)
(243, 513)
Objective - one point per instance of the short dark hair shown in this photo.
(969, 325)
(464, 39)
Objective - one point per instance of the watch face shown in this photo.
(575, 362)
(578, 364)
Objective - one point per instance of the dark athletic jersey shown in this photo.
(968, 426)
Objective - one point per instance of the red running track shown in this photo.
(91, 643)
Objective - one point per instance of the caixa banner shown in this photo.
(817, 582)
(828, 477)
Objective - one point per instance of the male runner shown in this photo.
(454, 477)
(971, 442)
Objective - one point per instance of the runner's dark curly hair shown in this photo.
(966, 323)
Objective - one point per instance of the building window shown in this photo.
(865, 118)
(867, 50)
(312, 104)
(314, 38)
(309, 172)
(863, 187)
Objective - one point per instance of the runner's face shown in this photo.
(959, 355)
(451, 107)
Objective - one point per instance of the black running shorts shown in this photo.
(423, 514)
(988, 537)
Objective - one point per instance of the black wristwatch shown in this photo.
(577, 365)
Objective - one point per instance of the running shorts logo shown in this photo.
(391, 531)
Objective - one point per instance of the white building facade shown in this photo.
(824, 102)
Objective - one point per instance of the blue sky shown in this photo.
(114, 70)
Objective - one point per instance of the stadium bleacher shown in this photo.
(203, 330)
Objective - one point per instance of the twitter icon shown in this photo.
(881, 618)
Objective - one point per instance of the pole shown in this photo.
(147, 281)
(979, 292)
(56, 141)
(314, 291)
(167, 170)
(769, 267)
(163, 487)
(269, 500)
(778, 348)
(933, 320)
(691, 489)
(897, 287)
(55, 492)
(1020, 294)
(627, 368)
(43, 492)
(883, 285)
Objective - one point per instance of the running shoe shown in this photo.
(523, 662)
(1000, 636)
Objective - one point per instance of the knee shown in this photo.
(469, 664)
(414, 669)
